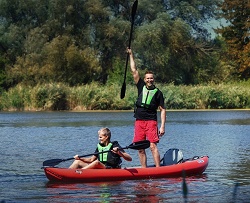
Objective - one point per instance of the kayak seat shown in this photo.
(172, 156)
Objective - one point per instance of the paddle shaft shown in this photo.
(94, 154)
(53, 162)
(134, 8)
(137, 145)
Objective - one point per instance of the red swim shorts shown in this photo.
(146, 129)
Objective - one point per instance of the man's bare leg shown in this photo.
(143, 158)
(155, 153)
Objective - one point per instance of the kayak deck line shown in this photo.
(189, 167)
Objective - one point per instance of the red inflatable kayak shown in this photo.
(193, 166)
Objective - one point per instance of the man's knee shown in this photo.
(153, 146)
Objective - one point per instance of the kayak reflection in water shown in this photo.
(107, 154)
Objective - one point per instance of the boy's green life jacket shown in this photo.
(103, 157)
(108, 158)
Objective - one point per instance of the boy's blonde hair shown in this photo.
(105, 131)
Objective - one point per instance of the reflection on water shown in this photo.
(28, 139)
(151, 191)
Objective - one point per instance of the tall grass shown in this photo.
(223, 96)
(58, 96)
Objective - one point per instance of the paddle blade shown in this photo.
(123, 90)
(139, 145)
(184, 185)
(134, 8)
(52, 162)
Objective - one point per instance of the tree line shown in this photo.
(77, 42)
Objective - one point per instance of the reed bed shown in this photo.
(58, 96)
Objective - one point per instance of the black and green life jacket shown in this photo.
(108, 158)
(147, 98)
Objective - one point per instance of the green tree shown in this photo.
(79, 41)
(172, 52)
(236, 34)
(107, 31)
(196, 13)
(58, 29)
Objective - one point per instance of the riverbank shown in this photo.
(58, 96)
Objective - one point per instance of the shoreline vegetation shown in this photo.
(90, 97)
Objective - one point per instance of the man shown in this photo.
(149, 100)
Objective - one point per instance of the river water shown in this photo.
(29, 138)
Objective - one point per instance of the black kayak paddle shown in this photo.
(134, 8)
(136, 145)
